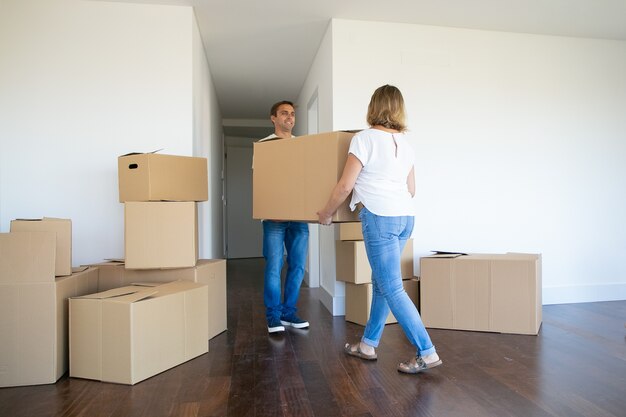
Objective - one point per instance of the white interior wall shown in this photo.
(520, 142)
(208, 142)
(81, 83)
(320, 81)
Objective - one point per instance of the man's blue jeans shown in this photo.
(277, 236)
(385, 238)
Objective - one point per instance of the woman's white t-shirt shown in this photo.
(381, 186)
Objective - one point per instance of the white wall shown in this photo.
(320, 79)
(81, 83)
(520, 142)
(208, 142)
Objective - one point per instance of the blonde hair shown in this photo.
(386, 108)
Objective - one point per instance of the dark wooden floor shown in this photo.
(576, 366)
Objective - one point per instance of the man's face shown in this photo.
(285, 117)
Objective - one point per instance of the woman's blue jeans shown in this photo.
(385, 238)
(278, 236)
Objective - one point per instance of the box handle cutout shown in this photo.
(133, 166)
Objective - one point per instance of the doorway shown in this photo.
(244, 235)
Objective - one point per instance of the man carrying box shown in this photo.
(280, 235)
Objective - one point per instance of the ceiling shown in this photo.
(260, 51)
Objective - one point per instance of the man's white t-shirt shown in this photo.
(272, 136)
(387, 159)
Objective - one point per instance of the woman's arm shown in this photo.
(344, 187)
(410, 181)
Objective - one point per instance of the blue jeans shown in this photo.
(277, 236)
(385, 238)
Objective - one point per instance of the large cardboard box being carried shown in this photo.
(63, 230)
(155, 177)
(293, 178)
(211, 272)
(483, 292)
(353, 266)
(160, 234)
(33, 309)
(359, 301)
(128, 334)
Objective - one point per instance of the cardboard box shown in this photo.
(129, 334)
(350, 231)
(353, 266)
(155, 177)
(160, 234)
(27, 257)
(63, 230)
(493, 293)
(359, 301)
(293, 178)
(33, 309)
(111, 274)
(207, 271)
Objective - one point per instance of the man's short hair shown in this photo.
(274, 110)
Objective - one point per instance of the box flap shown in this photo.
(444, 254)
(146, 284)
(141, 153)
(112, 293)
(134, 297)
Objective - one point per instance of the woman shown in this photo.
(380, 170)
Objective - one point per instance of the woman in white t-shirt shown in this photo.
(379, 172)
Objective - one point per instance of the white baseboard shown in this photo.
(583, 293)
(335, 305)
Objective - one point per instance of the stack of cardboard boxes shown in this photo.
(36, 279)
(160, 195)
(353, 268)
(159, 306)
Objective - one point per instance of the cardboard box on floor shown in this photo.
(33, 309)
(156, 177)
(353, 266)
(293, 178)
(482, 292)
(359, 300)
(128, 334)
(63, 230)
(211, 272)
(160, 234)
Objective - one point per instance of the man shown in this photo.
(281, 235)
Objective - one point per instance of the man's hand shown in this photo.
(324, 218)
